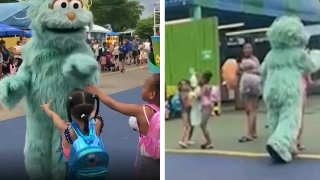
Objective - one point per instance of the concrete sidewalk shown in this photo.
(228, 128)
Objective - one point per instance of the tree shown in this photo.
(121, 14)
(145, 27)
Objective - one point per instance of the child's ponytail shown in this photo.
(69, 105)
(97, 106)
(80, 106)
(85, 119)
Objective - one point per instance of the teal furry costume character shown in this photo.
(282, 74)
(57, 60)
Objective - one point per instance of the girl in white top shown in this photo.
(143, 54)
(116, 51)
(96, 49)
(115, 54)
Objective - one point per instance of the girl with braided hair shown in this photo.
(81, 116)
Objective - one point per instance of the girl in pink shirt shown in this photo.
(207, 107)
(147, 120)
(103, 61)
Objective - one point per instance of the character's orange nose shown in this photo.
(71, 16)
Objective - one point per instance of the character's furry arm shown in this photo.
(312, 61)
(82, 66)
(263, 72)
(13, 88)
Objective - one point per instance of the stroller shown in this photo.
(173, 106)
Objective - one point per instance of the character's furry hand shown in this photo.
(8, 87)
(80, 66)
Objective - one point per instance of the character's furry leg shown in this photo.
(57, 164)
(272, 119)
(283, 139)
(38, 148)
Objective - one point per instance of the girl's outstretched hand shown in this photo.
(46, 107)
(93, 90)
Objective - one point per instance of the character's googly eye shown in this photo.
(76, 4)
(60, 4)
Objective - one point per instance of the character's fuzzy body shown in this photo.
(55, 63)
(282, 74)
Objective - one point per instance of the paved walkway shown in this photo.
(191, 167)
(119, 139)
(111, 82)
(226, 130)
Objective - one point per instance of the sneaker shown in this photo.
(206, 146)
(190, 142)
(183, 145)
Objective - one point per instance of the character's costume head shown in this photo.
(60, 23)
(287, 31)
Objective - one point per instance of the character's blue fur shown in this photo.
(55, 63)
(282, 73)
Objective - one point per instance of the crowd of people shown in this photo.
(111, 58)
(10, 61)
(115, 56)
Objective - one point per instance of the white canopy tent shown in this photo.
(97, 32)
(98, 29)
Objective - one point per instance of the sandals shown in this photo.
(300, 147)
(207, 146)
(183, 145)
(245, 139)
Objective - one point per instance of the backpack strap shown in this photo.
(76, 129)
(92, 132)
(145, 115)
(154, 107)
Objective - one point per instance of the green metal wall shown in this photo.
(192, 44)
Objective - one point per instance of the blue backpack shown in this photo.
(176, 105)
(88, 158)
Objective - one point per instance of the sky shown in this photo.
(148, 5)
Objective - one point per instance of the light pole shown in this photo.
(156, 12)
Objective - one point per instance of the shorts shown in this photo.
(143, 55)
(134, 54)
(250, 97)
(149, 169)
(122, 57)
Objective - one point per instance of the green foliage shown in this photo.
(145, 27)
(121, 14)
